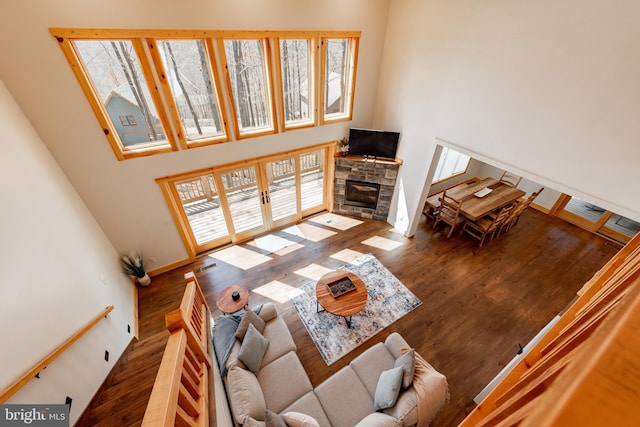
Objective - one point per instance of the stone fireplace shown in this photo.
(363, 194)
(364, 187)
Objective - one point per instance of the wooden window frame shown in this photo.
(314, 48)
(67, 45)
(265, 42)
(354, 43)
(145, 46)
(214, 77)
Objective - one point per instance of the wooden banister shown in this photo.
(584, 370)
(193, 317)
(24, 379)
(180, 394)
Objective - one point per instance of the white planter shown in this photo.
(144, 280)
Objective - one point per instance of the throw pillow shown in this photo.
(245, 395)
(298, 419)
(249, 318)
(272, 419)
(252, 349)
(408, 363)
(388, 388)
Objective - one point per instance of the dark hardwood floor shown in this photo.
(478, 303)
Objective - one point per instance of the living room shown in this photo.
(537, 88)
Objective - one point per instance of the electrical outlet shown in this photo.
(152, 260)
(102, 279)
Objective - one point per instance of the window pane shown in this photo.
(312, 179)
(114, 69)
(187, 68)
(623, 225)
(451, 163)
(337, 76)
(583, 209)
(245, 61)
(296, 81)
(201, 203)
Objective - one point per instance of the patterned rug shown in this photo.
(388, 301)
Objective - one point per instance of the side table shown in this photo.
(227, 304)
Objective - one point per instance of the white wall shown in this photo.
(53, 256)
(123, 196)
(548, 89)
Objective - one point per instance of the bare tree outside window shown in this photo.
(246, 65)
(188, 73)
(114, 69)
(337, 75)
(296, 80)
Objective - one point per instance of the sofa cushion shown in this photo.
(344, 398)
(280, 339)
(370, 364)
(252, 349)
(406, 408)
(268, 311)
(298, 419)
(250, 422)
(309, 404)
(408, 363)
(388, 388)
(249, 318)
(271, 419)
(245, 395)
(283, 381)
(378, 419)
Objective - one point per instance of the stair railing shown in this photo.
(24, 379)
(180, 394)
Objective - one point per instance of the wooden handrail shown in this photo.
(587, 359)
(13, 388)
(180, 394)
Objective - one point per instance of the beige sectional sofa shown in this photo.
(281, 385)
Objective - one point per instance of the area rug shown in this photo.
(388, 301)
(278, 240)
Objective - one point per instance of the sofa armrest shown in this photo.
(395, 343)
(268, 311)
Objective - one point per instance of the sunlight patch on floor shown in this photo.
(336, 221)
(313, 271)
(382, 243)
(279, 242)
(346, 255)
(277, 291)
(313, 233)
(240, 257)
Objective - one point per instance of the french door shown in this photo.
(595, 218)
(236, 202)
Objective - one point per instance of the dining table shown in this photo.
(479, 197)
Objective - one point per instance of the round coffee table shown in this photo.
(345, 305)
(227, 304)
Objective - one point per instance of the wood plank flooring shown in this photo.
(478, 303)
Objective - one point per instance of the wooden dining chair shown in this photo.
(520, 207)
(487, 225)
(449, 213)
(510, 179)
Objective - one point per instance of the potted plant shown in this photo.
(133, 265)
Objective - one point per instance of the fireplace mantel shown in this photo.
(375, 171)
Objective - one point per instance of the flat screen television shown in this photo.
(373, 143)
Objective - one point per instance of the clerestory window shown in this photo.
(156, 91)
